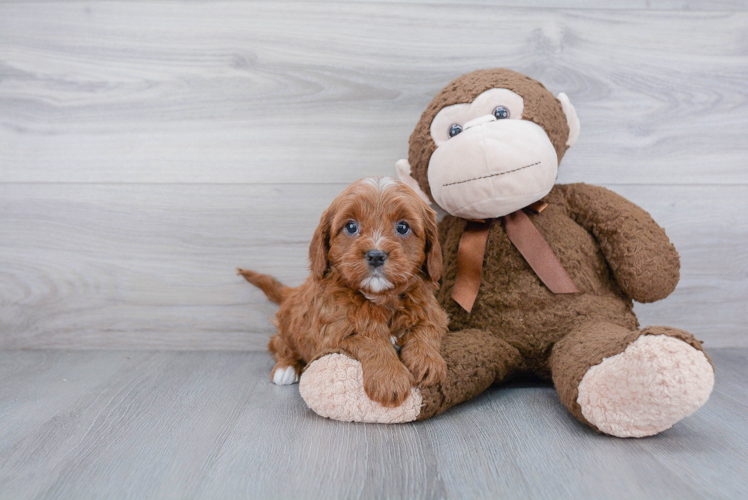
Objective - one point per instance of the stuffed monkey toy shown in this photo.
(538, 278)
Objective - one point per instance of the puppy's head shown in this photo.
(380, 236)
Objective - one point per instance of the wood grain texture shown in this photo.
(224, 92)
(149, 266)
(211, 425)
(690, 5)
(149, 148)
(153, 266)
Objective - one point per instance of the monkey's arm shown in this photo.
(644, 262)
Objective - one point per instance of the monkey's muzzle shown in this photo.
(493, 168)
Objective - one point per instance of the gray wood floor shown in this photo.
(138, 424)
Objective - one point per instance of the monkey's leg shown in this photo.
(631, 383)
(332, 385)
(475, 360)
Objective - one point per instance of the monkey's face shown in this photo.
(489, 144)
(489, 162)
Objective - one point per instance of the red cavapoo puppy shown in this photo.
(375, 265)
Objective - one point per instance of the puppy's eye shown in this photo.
(351, 227)
(455, 129)
(500, 112)
(402, 228)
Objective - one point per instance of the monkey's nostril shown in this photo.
(375, 258)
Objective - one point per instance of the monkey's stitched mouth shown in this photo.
(492, 175)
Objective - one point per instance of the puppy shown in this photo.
(375, 265)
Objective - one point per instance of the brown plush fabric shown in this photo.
(514, 304)
(632, 243)
(613, 251)
(475, 360)
(540, 107)
(588, 345)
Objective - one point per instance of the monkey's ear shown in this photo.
(571, 119)
(433, 265)
(403, 173)
(320, 246)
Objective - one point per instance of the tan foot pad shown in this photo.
(333, 386)
(647, 388)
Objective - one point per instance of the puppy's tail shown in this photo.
(275, 291)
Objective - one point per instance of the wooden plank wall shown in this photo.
(149, 148)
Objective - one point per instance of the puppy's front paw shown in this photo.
(426, 365)
(284, 375)
(389, 386)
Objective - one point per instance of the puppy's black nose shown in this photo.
(375, 258)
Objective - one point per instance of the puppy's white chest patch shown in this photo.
(376, 284)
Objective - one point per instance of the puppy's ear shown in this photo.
(320, 246)
(433, 265)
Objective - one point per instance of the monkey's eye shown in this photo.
(402, 228)
(500, 112)
(351, 227)
(455, 129)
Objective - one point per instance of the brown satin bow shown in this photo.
(525, 237)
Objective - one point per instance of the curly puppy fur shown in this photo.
(366, 309)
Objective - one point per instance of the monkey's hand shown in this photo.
(644, 262)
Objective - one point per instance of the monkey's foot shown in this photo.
(647, 388)
(333, 386)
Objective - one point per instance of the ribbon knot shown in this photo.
(525, 237)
